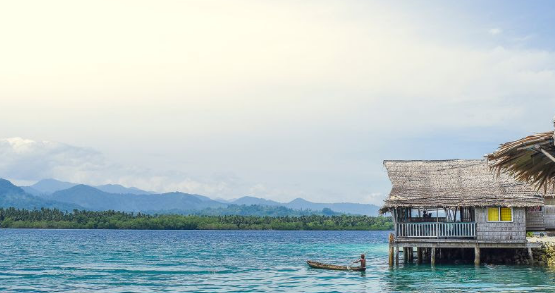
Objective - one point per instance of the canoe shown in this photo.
(319, 265)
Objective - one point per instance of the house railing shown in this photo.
(437, 230)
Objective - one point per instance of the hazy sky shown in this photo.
(274, 99)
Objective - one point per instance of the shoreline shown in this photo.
(125, 229)
(200, 230)
(55, 219)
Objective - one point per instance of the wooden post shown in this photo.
(391, 240)
(433, 257)
(477, 255)
(411, 254)
(390, 255)
(419, 255)
(530, 255)
(394, 214)
(440, 254)
(405, 254)
(397, 255)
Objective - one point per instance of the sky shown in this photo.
(273, 99)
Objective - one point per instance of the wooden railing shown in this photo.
(437, 230)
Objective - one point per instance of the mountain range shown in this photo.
(52, 193)
(302, 204)
(92, 198)
(13, 196)
(49, 186)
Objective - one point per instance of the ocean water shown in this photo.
(233, 261)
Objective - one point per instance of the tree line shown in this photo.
(81, 219)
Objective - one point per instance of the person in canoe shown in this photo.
(362, 261)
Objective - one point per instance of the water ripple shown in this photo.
(232, 261)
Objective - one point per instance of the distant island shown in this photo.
(67, 196)
(56, 219)
(63, 205)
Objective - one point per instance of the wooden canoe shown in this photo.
(319, 265)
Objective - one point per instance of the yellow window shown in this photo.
(506, 214)
(493, 214)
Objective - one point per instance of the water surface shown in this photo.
(232, 261)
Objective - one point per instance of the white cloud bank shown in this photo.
(294, 97)
(28, 160)
(25, 160)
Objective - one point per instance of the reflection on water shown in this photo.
(233, 261)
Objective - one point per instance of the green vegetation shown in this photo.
(56, 219)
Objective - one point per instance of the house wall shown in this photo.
(535, 219)
(515, 230)
(549, 217)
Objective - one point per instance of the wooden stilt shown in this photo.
(477, 255)
(433, 257)
(391, 241)
(397, 255)
(440, 254)
(390, 255)
(405, 254)
(411, 254)
(419, 255)
(530, 256)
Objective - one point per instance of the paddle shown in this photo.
(349, 265)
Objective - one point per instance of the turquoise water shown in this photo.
(232, 261)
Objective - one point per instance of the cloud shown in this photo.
(293, 97)
(495, 31)
(29, 160)
(375, 198)
(25, 160)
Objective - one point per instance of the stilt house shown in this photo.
(459, 204)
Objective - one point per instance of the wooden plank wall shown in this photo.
(549, 216)
(535, 219)
(515, 230)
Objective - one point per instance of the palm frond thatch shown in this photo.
(454, 183)
(523, 159)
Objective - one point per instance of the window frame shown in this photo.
(499, 214)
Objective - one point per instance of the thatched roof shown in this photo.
(525, 159)
(451, 183)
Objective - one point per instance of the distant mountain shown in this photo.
(261, 211)
(88, 197)
(13, 196)
(48, 186)
(131, 199)
(6, 187)
(299, 203)
(95, 199)
(116, 188)
(249, 200)
(30, 190)
(349, 208)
